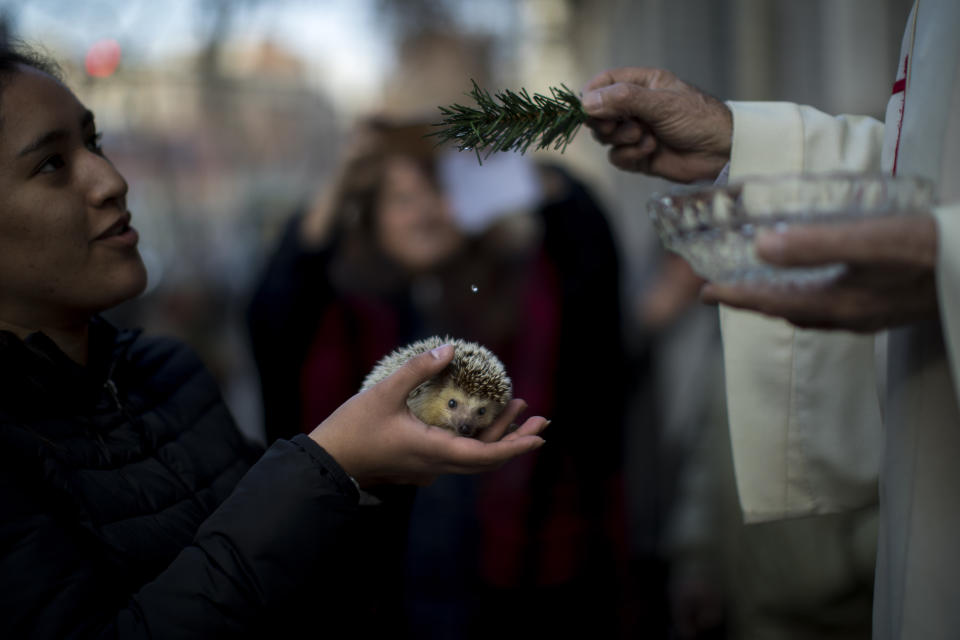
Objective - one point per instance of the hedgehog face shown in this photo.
(449, 407)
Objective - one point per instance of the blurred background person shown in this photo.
(414, 240)
(527, 267)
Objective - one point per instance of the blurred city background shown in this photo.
(226, 116)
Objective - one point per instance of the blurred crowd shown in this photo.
(294, 248)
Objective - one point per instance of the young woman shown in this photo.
(132, 507)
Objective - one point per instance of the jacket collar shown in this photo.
(34, 372)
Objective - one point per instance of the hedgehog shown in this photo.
(466, 397)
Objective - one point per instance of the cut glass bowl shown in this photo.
(714, 227)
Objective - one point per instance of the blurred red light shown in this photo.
(103, 58)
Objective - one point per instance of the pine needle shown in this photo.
(512, 121)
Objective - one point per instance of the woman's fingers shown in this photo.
(443, 452)
(499, 427)
(472, 456)
(532, 427)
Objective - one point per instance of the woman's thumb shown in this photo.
(418, 369)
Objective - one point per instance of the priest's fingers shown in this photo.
(643, 76)
(843, 304)
(634, 157)
(818, 308)
(618, 132)
(899, 240)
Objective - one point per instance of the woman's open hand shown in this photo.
(375, 437)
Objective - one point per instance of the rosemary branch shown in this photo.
(512, 121)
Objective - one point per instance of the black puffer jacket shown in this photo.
(130, 507)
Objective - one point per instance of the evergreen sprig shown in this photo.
(512, 121)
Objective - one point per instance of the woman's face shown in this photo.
(414, 224)
(66, 248)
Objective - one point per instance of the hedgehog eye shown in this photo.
(481, 411)
(452, 404)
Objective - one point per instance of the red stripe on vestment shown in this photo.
(903, 87)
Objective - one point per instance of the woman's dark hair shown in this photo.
(16, 54)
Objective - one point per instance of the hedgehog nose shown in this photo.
(464, 429)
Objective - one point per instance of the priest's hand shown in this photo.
(889, 278)
(657, 124)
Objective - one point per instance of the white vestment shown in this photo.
(810, 431)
